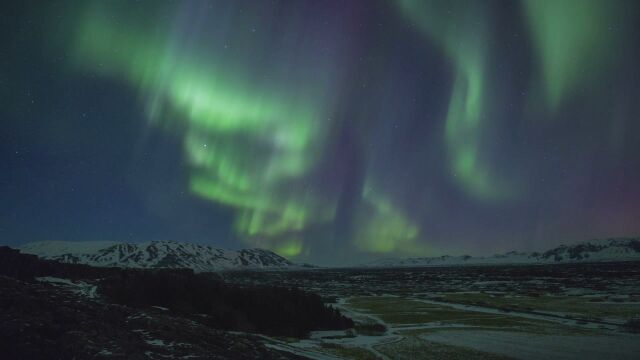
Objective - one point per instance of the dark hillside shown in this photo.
(266, 309)
(41, 320)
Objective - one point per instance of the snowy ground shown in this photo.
(79, 287)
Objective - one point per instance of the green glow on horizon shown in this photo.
(382, 228)
(573, 41)
(289, 248)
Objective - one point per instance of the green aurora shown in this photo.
(374, 127)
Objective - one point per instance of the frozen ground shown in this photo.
(79, 287)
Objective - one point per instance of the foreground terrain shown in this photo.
(54, 319)
(50, 310)
(569, 311)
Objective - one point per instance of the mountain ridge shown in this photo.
(204, 258)
(157, 254)
(596, 250)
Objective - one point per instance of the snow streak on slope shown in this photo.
(157, 254)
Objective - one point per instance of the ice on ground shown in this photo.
(55, 280)
(557, 317)
(328, 333)
(535, 346)
(78, 287)
(156, 342)
(315, 355)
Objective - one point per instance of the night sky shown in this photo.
(328, 131)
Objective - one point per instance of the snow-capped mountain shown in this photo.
(615, 249)
(157, 254)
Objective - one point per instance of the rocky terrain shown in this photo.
(52, 320)
(157, 254)
(53, 310)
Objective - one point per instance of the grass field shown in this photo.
(419, 329)
(577, 311)
(586, 307)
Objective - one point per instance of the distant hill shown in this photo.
(157, 254)
(615, 249)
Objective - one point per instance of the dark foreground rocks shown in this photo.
(51, 310)
(42, 320)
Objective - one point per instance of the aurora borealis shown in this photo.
(327, 131)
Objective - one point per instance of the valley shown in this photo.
(562, 311)
(270, 307)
